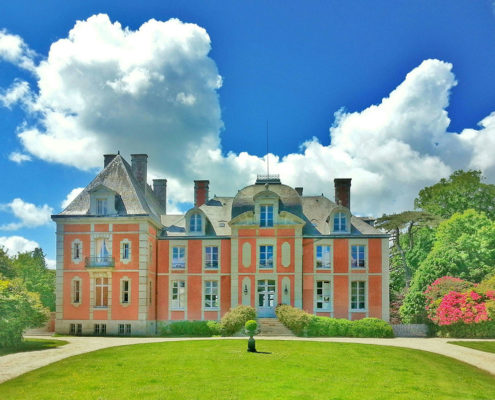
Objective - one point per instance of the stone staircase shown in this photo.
(272, 327)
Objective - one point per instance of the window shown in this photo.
(266, 215)
(75, 329)
(124, 291)
(195, 223)
(178, 294)
(76, 250)
(323, 295)
(211, 294)
(211, 255)
(323, 257)
(125, 329)
(76, 291)
(101, 206)
(121, 329)
(358, 295)
(150, 290)
(126, 251)
(100, 329)
(340, 222)
(358, 257)
(128, 329)
(101, 295)
(103, 257)
(178, 257)
(266, 256)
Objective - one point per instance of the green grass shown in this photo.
(489, 347)
(223, 369)
(32, 345)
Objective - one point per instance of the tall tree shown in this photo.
(461, 191)
(464, 247)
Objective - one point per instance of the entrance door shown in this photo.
(266, 298)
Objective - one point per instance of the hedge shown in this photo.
(233, 321)
(191, 328)
(304, 324)
(461, 330)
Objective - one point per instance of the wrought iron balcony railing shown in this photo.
(99, 262)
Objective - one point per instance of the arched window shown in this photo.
(195, 223)
(340, 222)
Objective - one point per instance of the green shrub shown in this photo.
(251, 326)
(293, 318)
(304, 324)
(233, 321)
(191, 329)
(460, 330)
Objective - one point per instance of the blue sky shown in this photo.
(412, 81)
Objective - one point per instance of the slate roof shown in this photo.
(130, 199)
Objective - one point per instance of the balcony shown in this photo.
(100, 262)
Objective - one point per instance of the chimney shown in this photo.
(139, 163)
(200, 192)
(160, 190)
(299, 191)
(107, 159)
(343, 192)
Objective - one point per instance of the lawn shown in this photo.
(32, 345)
(482, 346)
(222, 369)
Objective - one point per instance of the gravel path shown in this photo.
(13, 365)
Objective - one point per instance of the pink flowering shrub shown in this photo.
(441, 287)
(468, 308)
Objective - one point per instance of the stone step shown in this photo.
(272, 327)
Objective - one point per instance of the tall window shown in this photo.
(358, 257)
(76, 291)
(323, 295)
(340, 222)
(178, 257)
(358, 295)
(126, 246)
(76, 250)
(101, 289)
(266, 215)
(124, 291)
(211, 255)
(266, 256)
(178, 294)
(101, 206)
(211, 294)
(323, 257)
(195, 223)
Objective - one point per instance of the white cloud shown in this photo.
(71, 196)
(50, 263)
(18, 92)
(28, 214)
(154, 90)
(14, 50)
(17, 244)
(19, 158)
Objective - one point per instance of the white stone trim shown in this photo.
(323, 242)
(128, 259)
(177, 243)
(73, 251)
(129, 291)
(359, 242)
(211, 243)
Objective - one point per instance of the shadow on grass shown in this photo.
(32, 345)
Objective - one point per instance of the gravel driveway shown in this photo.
(13, 365)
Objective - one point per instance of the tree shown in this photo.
(19, 309)
(461, 191)
(464, 248)
(30, 268)
(6, 267)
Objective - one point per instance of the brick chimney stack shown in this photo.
(139, 164)
(200, 192)
(343, 191)
(107, 159)
(160, 190)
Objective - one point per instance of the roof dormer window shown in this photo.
(195, 224)
(266, 215)
(101, 206)
(102, 201)
(340, 222)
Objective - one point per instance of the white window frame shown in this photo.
(212, 255)
(123, 291)
(362, 257)
(196, 223)
(101, 206)
(211, 290)
(125, 258)
(263, 256)
(180, 300)
(341, 219)
(320, 260)
(360, 294)
(174, 264)
(76, 244)
(266, 215)
(102, 285)
(321, 295)
(76, 281)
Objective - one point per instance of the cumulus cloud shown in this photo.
(19, 158)
(28, 214)
(17, 244)
(71, 196)
(154, 90)
(14, 50)
(18, 92)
